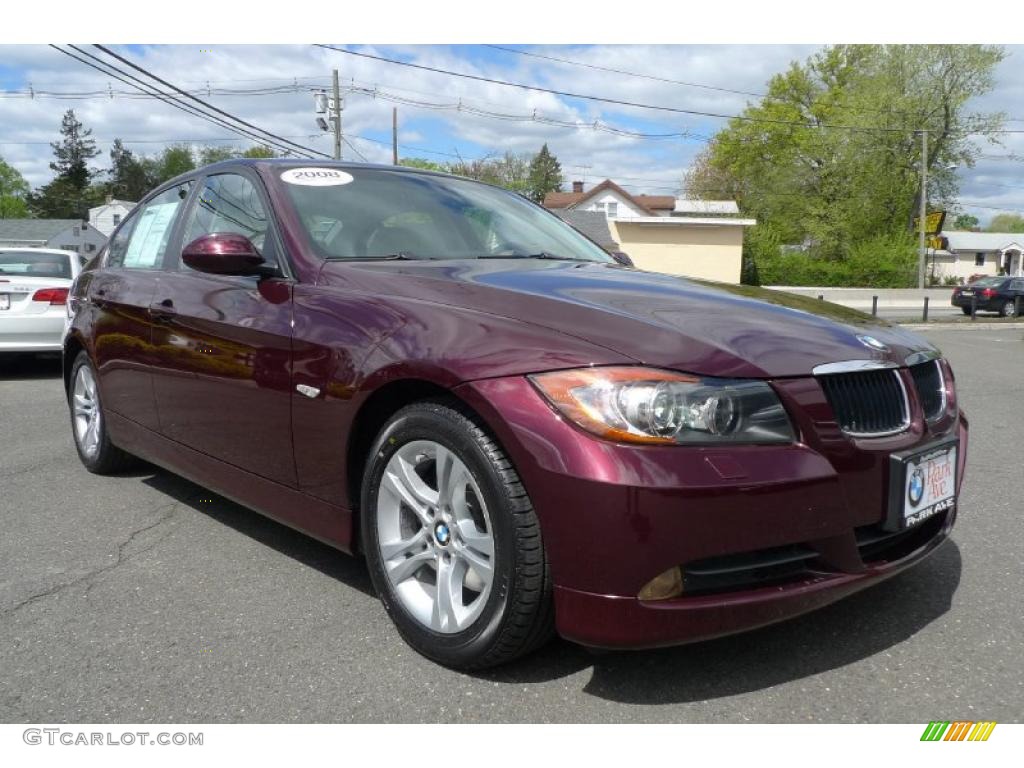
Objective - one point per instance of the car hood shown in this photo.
(712, 329)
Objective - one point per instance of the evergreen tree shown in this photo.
(70, 194)
(73, 152)
(545, 175)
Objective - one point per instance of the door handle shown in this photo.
(162, 312)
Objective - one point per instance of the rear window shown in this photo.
(33, 264)
(989, 282)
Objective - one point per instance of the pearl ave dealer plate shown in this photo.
(922, 484)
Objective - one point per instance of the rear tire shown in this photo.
(965, 310)
(443, 505)
(1008, 309)
(89, 423)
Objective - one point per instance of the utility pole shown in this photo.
(394, 135)
(336, 117)
(922, 244)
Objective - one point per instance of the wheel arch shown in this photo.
(373, 414)
(72, 346)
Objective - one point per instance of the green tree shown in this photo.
(208, 155)
(129, 179)
(509, 170)
(830, 189)
(73, 152)
(13, 189)
(70, 194)
(260, 151)
(173, 161)
(545, 175)
(427, 165)
(1006, 222)
(965, 221)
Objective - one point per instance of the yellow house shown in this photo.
(694, 238)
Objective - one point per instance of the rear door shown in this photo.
(223, 373)
(119, 296)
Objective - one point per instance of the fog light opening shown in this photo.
(663, 586)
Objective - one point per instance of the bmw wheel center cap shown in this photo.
(442, 534)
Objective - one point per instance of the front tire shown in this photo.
(89, 423)
(452, 542)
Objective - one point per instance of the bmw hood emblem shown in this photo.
(872, 343)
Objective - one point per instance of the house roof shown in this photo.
(124, 203)
(646, 203)
(706, 207)
(984, 241)
(593, 224)
(33, 230)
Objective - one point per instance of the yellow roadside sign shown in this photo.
(932, 222)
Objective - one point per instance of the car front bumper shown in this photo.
(615, 516)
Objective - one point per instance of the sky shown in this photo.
(439, 116)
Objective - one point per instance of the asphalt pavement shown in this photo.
(145, 598)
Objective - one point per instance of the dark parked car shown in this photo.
(518, 433)
(992, 294)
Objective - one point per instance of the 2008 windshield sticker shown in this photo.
(316, 177)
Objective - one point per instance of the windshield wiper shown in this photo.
(538, 255)
(399, 256)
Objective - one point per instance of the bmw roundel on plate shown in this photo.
(520, 435)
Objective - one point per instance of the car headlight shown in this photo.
(648, 405)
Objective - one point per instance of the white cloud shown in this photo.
(26, 126)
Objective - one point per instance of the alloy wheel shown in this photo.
(435, 536)
(87, 414)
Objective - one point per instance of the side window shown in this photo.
(229, 202)
(1017, 285)
(141, 243)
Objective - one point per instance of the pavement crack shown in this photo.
(123, 556)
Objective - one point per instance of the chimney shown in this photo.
(577, 187)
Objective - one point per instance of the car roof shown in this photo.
(257, 163)
(49, 251)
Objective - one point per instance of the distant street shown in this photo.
(144, 598)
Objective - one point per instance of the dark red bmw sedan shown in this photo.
(518, 433)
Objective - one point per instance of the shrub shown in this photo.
(885, 261)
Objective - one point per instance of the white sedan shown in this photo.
(34, 284)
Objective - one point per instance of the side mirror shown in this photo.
(622, 258)
(224, 253)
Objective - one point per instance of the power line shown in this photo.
(616, 102)
(209, 106)
(625, 72)
(105, 68)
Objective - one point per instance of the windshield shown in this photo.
(387, 214)
(35, 264)
(989, 282)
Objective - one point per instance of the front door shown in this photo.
(223, 372)
(119, 297)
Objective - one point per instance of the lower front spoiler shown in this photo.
(606, 621)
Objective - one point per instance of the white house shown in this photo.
(696, 238)
(65, 234)
(106, 217)
(978, 253)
